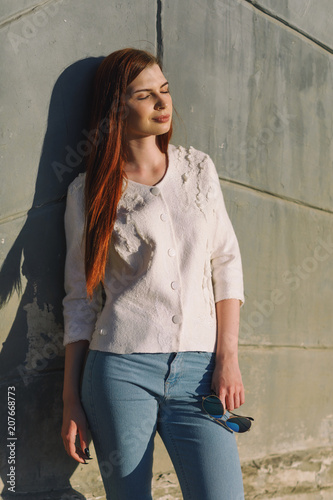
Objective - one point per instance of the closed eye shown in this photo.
(143, 98)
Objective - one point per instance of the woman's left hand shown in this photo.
(227, 383)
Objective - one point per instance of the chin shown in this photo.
(162, 128)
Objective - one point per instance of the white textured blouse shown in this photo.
(173, 254)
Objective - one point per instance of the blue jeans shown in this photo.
(128, 397)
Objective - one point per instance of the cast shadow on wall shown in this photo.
(32, 356)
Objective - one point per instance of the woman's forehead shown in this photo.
(151, 75)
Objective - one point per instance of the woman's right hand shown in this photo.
(75, 422)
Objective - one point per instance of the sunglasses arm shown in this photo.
(241, 416)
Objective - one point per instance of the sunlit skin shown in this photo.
(147, 99)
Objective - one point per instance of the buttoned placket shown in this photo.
(171, 255)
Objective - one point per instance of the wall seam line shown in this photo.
(300, 347)
(159, 32)
(27, 213)
(22, 13)
(291, 26)
(280, 197)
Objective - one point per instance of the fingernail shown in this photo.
(87, 452)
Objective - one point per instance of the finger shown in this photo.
(80, 453)
(222, 397)
(65, 440)
(84, 442)
(74, 451)
(242, 397)
(230, 401)
(236, 400)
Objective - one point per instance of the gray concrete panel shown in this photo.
(254, 94)
(314, 18)
(46, 91)
(287, 254)
(287, 393)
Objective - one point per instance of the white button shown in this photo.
(155, 191)
(163, 217)
(174, 285)
(172, 252)
(102, 331)
(177, 318)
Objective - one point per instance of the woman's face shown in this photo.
(149, 104)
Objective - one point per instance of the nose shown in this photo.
(161, 103)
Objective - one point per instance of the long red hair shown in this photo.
(104, 167)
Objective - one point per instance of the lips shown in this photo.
(162, 118)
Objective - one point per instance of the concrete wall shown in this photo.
(252, 82)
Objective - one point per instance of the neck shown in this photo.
(143, 155)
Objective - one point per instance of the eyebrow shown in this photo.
(148, 90)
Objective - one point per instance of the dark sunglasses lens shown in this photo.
(213, 406)
(238, 424)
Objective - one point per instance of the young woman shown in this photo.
(154, 284)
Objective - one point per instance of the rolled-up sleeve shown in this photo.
(225, 258)
(79, 313)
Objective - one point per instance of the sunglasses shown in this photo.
(214, 408)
